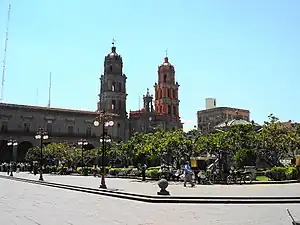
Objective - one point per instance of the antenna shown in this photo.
(5, 51)
(49, 99)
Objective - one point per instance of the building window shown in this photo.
(49, 127)
(27, 127)
(113, 104)
(119, 104)
(174, 110)
(174, 94)
(70, 129)
(88, 131)
(110, 68)
(169, 110)
(113, 87)
(165, 77)
(4, 126)
(168, 93)
(119, 87)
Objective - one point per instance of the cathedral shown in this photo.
(21, 122)
(112, 99)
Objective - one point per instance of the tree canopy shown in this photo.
(272, 141)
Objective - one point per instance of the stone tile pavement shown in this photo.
(176, 189)
(30, 204)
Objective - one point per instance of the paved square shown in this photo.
(31, 204)
(176, 189)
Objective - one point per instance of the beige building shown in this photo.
(210, 117)
(21, 122)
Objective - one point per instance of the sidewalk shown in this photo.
(176, 189)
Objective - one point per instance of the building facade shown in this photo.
(113, 95)
(165, 113)
(210, 117)
(21, 122)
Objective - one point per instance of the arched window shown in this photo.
(113, 86)
(113, 104)
(165, 77)
(110, 68)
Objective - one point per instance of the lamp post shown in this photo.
(13, 143)
(41, 135)
(82, 143)
(106, 120)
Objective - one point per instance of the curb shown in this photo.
(152, 179)
(166, 199)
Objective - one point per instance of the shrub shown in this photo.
(152, 173)
(121, 171)
(282, 173)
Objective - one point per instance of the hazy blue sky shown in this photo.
(244, 53)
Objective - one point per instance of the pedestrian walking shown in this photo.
(188, 174)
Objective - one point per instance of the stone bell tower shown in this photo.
(112, 97)
(148, 104)
(166, 92)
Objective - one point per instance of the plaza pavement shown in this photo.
(175, 188)
(30, 204)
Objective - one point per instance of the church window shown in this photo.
(110, 68)
(169, 110)
(113, 104)
(113, 87)
(169, 94)
(174, 110)
(165, 77)
(119, 104)
(174, 94)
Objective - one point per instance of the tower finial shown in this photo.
(166, 53)
(113, 48)
(148, 92)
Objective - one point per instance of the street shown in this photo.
(30, 204)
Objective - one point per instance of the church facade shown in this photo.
(21, 122)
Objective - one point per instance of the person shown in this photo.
(144, 167)
(188, 173)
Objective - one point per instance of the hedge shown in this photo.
(282, 173)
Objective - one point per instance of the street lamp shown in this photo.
(106, 120)
(13, 143)
(82, 143)
(41, 135)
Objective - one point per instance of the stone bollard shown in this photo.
(163, 184)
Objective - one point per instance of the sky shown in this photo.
(246, 54)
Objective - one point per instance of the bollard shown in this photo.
(163, 184)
